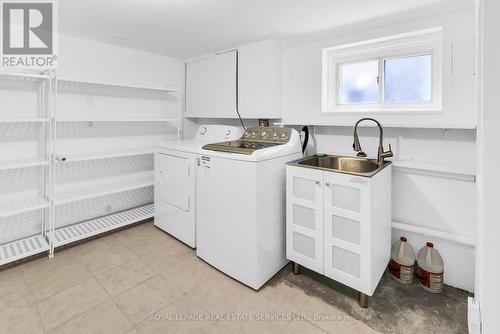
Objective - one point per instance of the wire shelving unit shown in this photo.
(66, 165)
(39, 85)
(134, 181)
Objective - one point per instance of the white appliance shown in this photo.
(175, 181)
(241, 203)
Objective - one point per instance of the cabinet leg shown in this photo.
(363, 300)
(295, 268)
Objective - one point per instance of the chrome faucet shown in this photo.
(381, 153)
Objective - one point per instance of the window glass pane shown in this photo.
(359, 82)
(408, 79)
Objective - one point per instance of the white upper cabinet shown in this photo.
(211, 87)
(254, 71)
(260, 80)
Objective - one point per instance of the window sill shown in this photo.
(433, 125)
(384, 111)
(385, 108)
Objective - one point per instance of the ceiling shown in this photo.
(189, 28)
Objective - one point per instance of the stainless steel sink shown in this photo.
(342, 164)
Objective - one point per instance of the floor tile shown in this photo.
(102, 254)
(132, 331)
(220, 294)
(23, 320)
(105, 318)
(51, 276)
(57, 309)
(264, 310)
(14, 273)
(147, 298)
(44, 264)
(189, 273)
(125, 276)
(148, 240)
(245, 327)
(304, 327)
(14, 293)
(286, 295)
(164, 259)
(183, 315)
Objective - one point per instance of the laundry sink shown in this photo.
(342, 164)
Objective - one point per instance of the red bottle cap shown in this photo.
(403, 239)
(430, 244)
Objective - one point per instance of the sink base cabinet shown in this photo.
(339, 225)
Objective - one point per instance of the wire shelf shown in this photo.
(167, 120)
(29, 74)
(88, 86)
(62, 158)
(22, 163)
(66, 235)
(19, 249)
(21, 80)
(78, 193)
(16, 207)
(24, 120)
(93, 208)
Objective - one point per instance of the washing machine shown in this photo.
(241, 203)
(175, 181)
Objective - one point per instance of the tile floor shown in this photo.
(141, 280)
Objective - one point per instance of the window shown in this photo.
(359, 82)
(408, 79)
(396, 73)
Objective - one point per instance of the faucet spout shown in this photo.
(381, 153)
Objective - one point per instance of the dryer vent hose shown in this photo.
(305, 129)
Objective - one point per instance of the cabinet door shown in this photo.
(211, 87)
(304, 217)
(259, 86)
(346, 213)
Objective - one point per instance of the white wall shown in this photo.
(302, 76)
(83, 59)
(488, 269)
(438, 203)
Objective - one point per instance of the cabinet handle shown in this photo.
(327, 184)
(317, 182)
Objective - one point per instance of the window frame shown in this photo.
(422, 42)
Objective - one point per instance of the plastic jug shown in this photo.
(402, 261)
(430, 269)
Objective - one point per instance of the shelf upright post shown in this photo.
(52, 155)
(42, 112)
